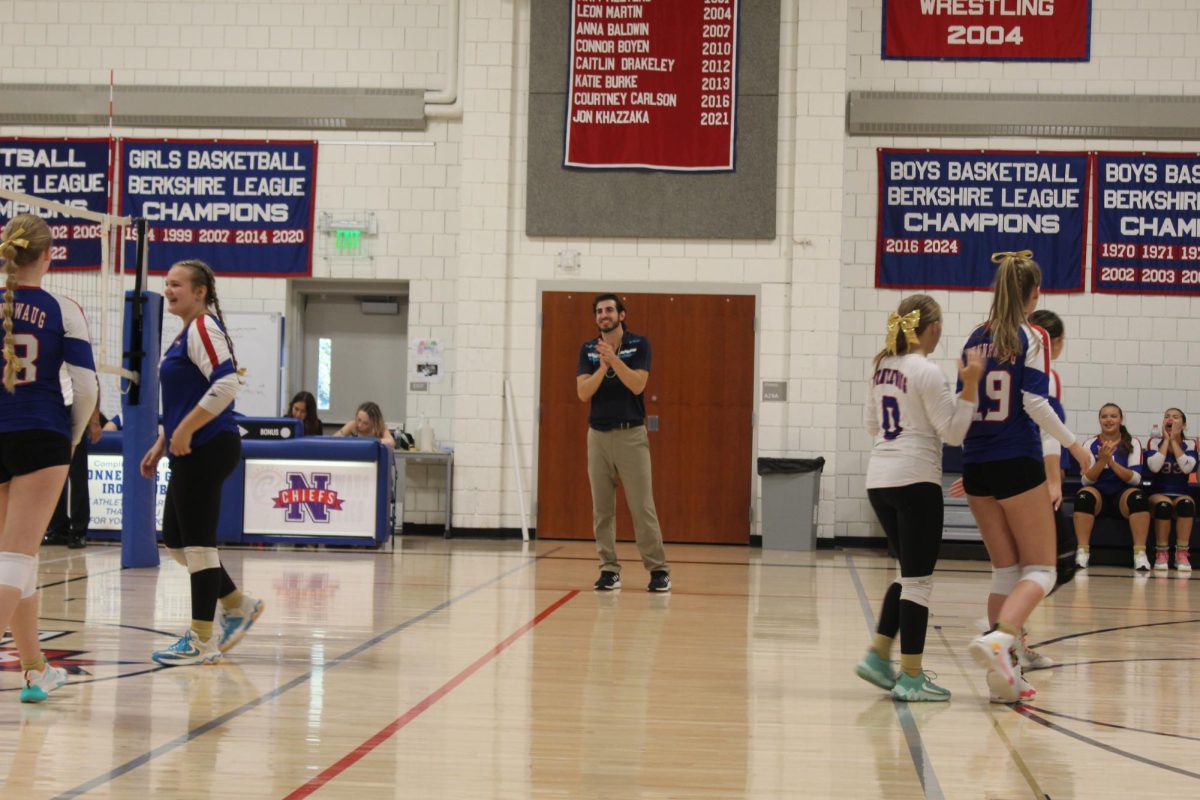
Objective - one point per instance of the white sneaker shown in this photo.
(233, 625)
(190, 649)
(39, 684)
(993, 652)
(1030, 658)
(1027, 693)
(1140, 562)
(1081, 558)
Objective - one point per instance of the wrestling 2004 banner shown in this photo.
(987, 30)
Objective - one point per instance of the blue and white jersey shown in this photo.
(1169, 475)
(49, 333)
(1001, 428)
(197, 359)
(1108, 482)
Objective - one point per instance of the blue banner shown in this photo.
(244, 208)
(70, 171)
(1147, 224)
(942, 214)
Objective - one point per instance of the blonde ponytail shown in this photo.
(1016, 278)
(906, 324)
(25, 238)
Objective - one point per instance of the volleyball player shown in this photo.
(910, 409)
(1172, 459)
(42, 333)
(1113, 485)
(199, 381)
(1003, 470)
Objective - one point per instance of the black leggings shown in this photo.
(193, 502)
(912, 518)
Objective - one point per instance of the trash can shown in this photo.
(791, 490)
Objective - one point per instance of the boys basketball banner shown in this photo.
(652, 85)
(987, 30)
(244, 208)
(1146, 225)
(942, 214)
(70, 171)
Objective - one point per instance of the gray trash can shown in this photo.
(791, 490)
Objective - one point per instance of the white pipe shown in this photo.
(64, 209)
(512, 442)
(445, 103)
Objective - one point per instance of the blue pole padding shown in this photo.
(139, 547)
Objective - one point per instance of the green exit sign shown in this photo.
(347, 240)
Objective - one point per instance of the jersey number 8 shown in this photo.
(26, 345)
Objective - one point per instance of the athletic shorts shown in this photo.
(1003, 479)
(23, 452)
(1110, 502)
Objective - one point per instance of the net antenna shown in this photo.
(100, 291)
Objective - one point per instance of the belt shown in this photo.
(620, 426)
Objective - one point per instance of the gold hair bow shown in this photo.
(998, 258)
(907, 323)
(14, 240)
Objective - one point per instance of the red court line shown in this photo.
(393, 727)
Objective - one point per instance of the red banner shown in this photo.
(653, 84)
(987, 30)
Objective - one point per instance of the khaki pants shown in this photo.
(624, 455)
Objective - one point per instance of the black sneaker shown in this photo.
(76, 541)
(660, 581)
(54, 538)
(607, 582)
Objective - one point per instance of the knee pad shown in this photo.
(1040, 574)
(1137, 502)
(178, 554)
(16, 570)
(201, 558)
(917, 590)
(1185, 508)
(1004, 579)
(1085, 503)
(1162, 510)
(30, 587)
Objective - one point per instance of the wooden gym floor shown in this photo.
(468, 669)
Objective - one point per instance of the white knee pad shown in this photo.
(30, 587)
(1004, 579)
(201, 558)
(1042, 575)
(917, 590)
(17, 570)
(178, 554)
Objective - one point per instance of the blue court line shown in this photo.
(1110, 630)
(916, 748)
(195, 733)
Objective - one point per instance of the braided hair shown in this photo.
(25, 239)
(202, 275)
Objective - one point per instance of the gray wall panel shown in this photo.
(635, 203)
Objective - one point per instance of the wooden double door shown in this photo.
(699, 406)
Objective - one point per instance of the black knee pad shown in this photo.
(1162, 509)
(1085, 503)
(1138, 502)
(1185, 508)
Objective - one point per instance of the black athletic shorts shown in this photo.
(1003, 479)
(1110, 502)
(23, 452)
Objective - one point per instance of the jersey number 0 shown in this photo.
(890, 418)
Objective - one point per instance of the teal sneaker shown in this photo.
(189, 650)
(920, 688)
(235, 624)
(874, 668)
(39, 684)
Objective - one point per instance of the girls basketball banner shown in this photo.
(245, 208)
(1146, 225)
(70, 171)
(987, 30)
(652, 85)
(943, 213)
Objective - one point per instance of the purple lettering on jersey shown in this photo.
(890, 377)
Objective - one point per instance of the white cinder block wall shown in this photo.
(451, 201)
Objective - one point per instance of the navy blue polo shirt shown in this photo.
(613, 403)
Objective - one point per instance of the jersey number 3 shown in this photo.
(890, 419)
(994, 405)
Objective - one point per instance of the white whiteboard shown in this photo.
(258, 345)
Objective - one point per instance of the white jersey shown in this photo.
(910, 410)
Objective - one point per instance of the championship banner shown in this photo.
(1146, 224)
(71, 171)
(652, 84)
(987, 30)
(244, 208)
(943, 213)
